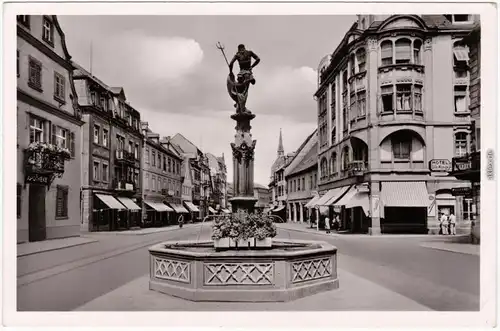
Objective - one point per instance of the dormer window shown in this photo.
(48, 31)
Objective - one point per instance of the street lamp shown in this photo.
(144, 129)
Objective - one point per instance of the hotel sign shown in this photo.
(440, 165)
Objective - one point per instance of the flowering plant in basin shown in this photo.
(242, 225)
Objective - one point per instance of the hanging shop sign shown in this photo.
(41, 179)
(440, 165)
(461, 191)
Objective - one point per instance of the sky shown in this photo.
(173, 74)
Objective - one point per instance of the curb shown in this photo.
(449, 250)
(58, 248)
(131, 233)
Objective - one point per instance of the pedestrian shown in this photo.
(336, 224)
(327, 225)
(444, 224)
(453, 224)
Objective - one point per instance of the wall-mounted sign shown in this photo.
(461, 191)
(440, 165)
(37, 179)
(431, 209)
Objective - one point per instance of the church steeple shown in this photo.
(281, 151)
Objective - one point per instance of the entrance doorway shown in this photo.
(36, 214)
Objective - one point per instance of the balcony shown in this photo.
(467, 167)
(124, 156)
(45, 159)
(124, 185)
(356, 168)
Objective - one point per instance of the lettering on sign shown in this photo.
(440, 165)
(37, 179)
(461, 191)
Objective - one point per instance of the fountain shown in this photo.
(243, 269)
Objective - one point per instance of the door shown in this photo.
(37, 225)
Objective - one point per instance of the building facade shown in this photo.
(162, 181)
(468, 167)
(392, 97)
(48, 133)
(301, 176)
(218, 178)
(263, 195)
(111, 156)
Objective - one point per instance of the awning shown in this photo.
(340, 191)
(323, 201)
(461, 54)
(110, 201)
(224, 210)
(280, 208)
(128, 203)
(210, 209)
(405, 194)
(360, 199)
(158, 206)
(191, 207)
(311, 202)
(178, 208)
(347, 197)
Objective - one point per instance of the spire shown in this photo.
(281, 151)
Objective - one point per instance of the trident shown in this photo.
(221, 47)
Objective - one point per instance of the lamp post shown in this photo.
(144, 129)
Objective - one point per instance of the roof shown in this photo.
(309, 160)
(255, 185)
(185, 144)
(80, 71)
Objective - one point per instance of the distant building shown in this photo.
(111, 157)
(218, 178)
(392, 97)
(301, 175)
(263, 195)
(49, 158)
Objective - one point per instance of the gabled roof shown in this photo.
(305, 151)
(185, 144)
(82, 72)
(63, 37)
(310, 160)
(118, 91)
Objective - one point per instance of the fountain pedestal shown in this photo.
(243, 164)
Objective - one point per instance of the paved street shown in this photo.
(66, 279)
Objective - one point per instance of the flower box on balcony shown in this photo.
(46, 158)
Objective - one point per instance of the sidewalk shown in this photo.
(463, 248)
(354, 294)
(30, 248)
(304, 227)
(145, 231)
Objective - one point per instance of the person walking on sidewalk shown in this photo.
(327, 225)
(453, 224)
(444, 224)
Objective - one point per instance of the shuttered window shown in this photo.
(403, 51)
(62, 202)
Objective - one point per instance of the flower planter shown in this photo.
(222, 243)
(267, 242)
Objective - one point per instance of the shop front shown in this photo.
(194, 211)
(108, 213)
(157, 213)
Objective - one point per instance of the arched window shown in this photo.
(361, 57)
(345, 158)
(403, 51)
(401, 146)
(461, 144)
(333, 161)
(386, 52)
(324, 168)
(417, 47)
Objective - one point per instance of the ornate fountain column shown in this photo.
(243, 159)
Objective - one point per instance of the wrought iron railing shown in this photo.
(356, 168)
(46, 160)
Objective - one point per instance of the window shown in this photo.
(460, 143)
(62, 202)
(96, 134)
(93, 98)
(19, 200)
(153, 178)
(159, 160)
(59, 87)
(105, 172)
(345, 158)
(345, 115)
(324, 168)
(35, 74)
(60, 137)
(460, 60)
(403, 97)
(386, 52)
(352, 65)
(103, 103)
(333, 103)
(169, 165)
(178, 168)
(461, 99)
(459, 18)
(311, 182)
(334, 136)
(96, 170)
(130, 147)
(344, 81)
(353, 111)
(24, 20)
(361, 99)
(333, 165)
(105, 137)
(48, 31)
(468, 208)
(147, 155)
(298, 184)
(136, 152)
(36, 130)
(361, 57)
(153, 158)
(417, 98)
(120, 142)
(303, 184)
(403, 51)
(17, 67)
(146, 184)
(401, 147)
(417, 47)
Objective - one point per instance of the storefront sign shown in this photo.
(461, 191)
(440, 165)
(431, 209)
(37, 179)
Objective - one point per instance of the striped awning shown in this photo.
(110, 201)
(405, 194)
(210, 209)
(347, 197)
(311, 202)
(324, 199)
(339, 192)
(127, 202)
(158, 206)
(360, 199)
(280, 208)
(191, 207)
(178, 208)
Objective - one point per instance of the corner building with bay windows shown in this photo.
(392, 97)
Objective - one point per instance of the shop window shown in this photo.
(62, 202)
(403, 51)
(386, 52)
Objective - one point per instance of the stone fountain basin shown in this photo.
(290, 270)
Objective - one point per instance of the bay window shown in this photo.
(403, 97)
(417, 47)
(417, 98)
(345, 158)
(386, 52)
(361, 57)
(461, 99)
(387, 98)
(361, 101)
